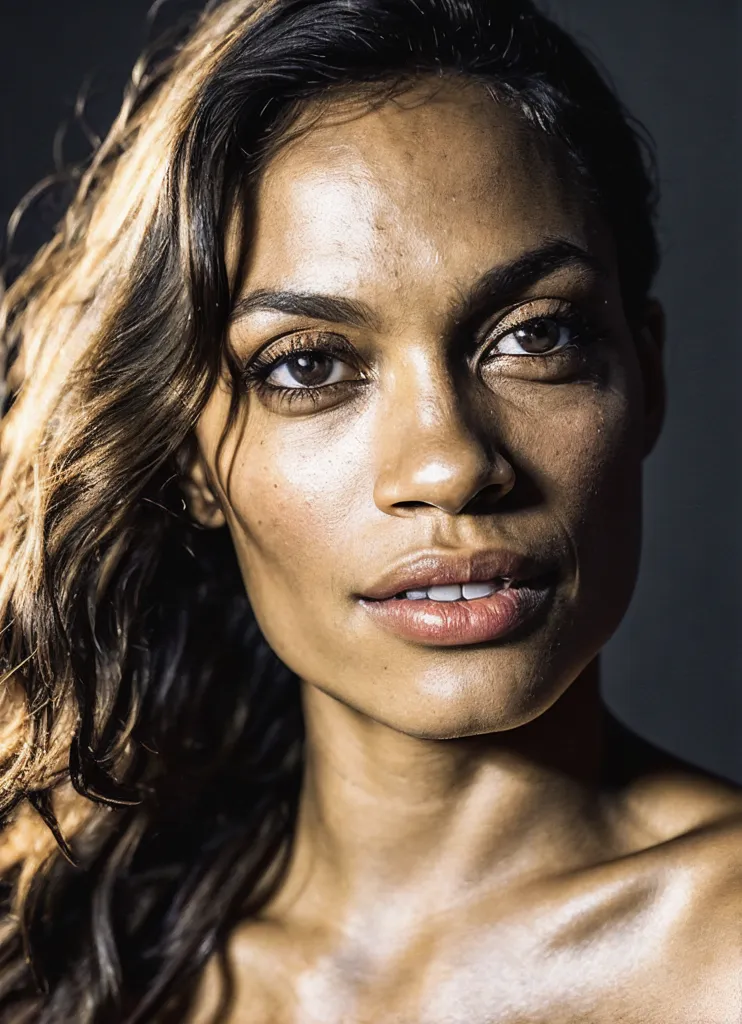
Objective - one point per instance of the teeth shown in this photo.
(455, 592)
(472, 590)
(445, 593)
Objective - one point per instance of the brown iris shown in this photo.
(310, 368)
(538, 336)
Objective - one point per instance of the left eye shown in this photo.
(536, 338)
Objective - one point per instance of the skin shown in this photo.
(478, 839)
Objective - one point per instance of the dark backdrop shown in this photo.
(672, 671)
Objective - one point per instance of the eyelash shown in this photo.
(584, 331)
(254, 376)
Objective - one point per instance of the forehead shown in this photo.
(432, 187)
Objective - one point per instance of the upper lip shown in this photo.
(429, 569)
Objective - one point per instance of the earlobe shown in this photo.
(650, 340)
(202, 502)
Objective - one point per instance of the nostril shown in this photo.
(487, 499)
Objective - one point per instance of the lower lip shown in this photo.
(448, 623)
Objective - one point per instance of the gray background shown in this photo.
(673, 670)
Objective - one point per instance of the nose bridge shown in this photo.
(435, 446)
(436, 405)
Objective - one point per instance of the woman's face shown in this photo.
(477, 390)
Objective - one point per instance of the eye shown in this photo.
(309, 369)
(538, 337)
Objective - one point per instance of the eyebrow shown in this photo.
(500, 284)
(317, 307)
(507, 281)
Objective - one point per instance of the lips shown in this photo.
(528, 589)
(430, 569)
(454, 623)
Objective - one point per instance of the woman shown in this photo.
(320, 494)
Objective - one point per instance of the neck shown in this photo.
(382, 811)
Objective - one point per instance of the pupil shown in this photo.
(539, 336)
(309, 369)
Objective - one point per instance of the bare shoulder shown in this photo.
(664, 796)
(659, 795)
(688, 833)
(690, 821)
(708, 865)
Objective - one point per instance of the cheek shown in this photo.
(577, 445)
(587, 467)
(294, 498)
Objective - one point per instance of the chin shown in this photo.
(443, 705)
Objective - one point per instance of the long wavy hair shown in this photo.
(151, 743)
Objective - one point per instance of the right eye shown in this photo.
(308, 369)
(303, 368)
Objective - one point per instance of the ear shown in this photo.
(650, 342)
(199, 492)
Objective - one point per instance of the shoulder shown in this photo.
(664, 916)
(688, 823)
(657, 796)
(691, 857)
(660, 795)
(708, 873)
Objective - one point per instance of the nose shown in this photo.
(438, 447)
